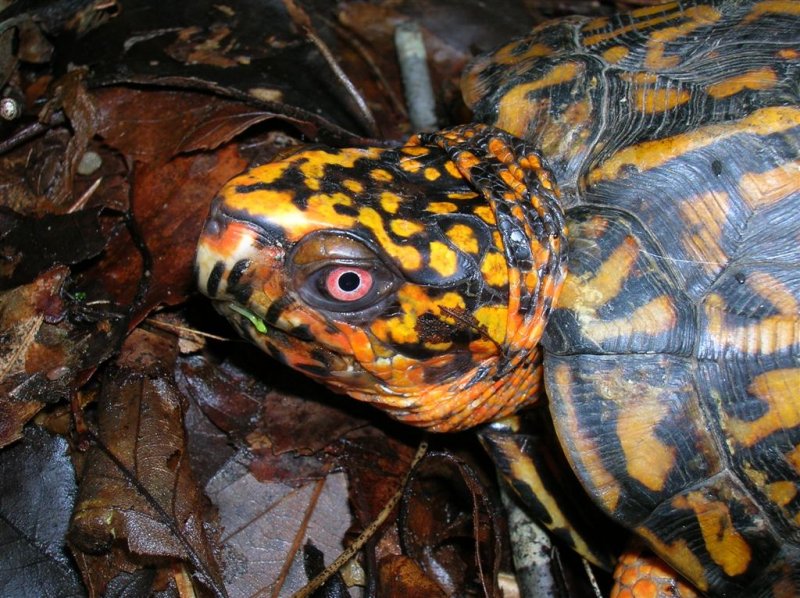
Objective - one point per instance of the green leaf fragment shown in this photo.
(257, 322)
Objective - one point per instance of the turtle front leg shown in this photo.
(524, 450)
(641, 574)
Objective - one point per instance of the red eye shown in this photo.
(348, 284)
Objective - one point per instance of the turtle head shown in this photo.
(419, 278)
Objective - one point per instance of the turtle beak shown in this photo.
(235, 263)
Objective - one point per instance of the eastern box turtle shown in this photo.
(622, 231)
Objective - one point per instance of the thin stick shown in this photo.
(180, 330)
(298, 537)
(302, 20)
(413, 60)
(350, 38)
(368, 532)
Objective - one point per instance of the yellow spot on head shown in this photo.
(353, 186)
(486, 214)
(400, 329)
(441, 207)
(406, 255)
(467, 160)
(493, 319)
(381, 175)
(405, 228)
(313, 163)
(410, 165)
(312, 183)
(452, 301)
(438, 347)
(414, 150)
(266, 174)
(320, 213)
(390, 201)
(453, 170)
(443, 259)
(432, 174)
(462, 195)
(495, 269)
(462, 237)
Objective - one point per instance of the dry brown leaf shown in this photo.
(137, 486)
(44, 356)
(261, 521)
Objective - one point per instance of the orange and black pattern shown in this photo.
(660, 311)
(419, 279)
(586, 91)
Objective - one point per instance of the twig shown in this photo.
(30, 132)
(363, 113)
(181, 331)
(413, 61)
(84, 199)
(350, 38)
(366, 534)
(298, 538)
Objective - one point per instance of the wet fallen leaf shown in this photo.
(151, 125)
(31, 245)
(402, 577)
(262, 521)
(36, 471)
(449, 526)
(134, 115)
(46, 355)
(169, 206)
(137, 486)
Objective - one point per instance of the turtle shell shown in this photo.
(672, 357)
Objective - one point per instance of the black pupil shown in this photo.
(349, 281)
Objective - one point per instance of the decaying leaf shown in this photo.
(36, 472)
(137, 487)
(402, 577)
(134, 114)
(45, 355)
(29, 245)
(260, 522)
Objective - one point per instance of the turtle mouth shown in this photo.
(258, 323)
(261, 330)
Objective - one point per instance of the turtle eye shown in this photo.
(334, 272)
(347, 283)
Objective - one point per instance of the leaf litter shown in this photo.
(139, 463)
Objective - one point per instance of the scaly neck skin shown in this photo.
(480, 396)
(461, 238)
